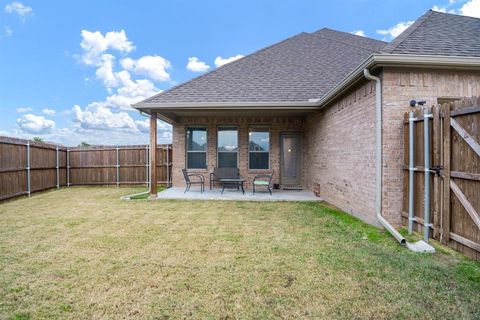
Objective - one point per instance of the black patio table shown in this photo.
(233, 182)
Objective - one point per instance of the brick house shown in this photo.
(322, 109)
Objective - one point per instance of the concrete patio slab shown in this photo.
(235, 195)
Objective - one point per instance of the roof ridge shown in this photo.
(344, 42)
(218, 68)
(351, 34)
(389, 48)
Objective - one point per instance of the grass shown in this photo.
(82, 253)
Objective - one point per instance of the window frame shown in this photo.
(252, 129)
(238, 142)
(196, 151)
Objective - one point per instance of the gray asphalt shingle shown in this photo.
(437, 33)
(308, 65)
(297, 69)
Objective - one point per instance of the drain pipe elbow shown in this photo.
(378, 158)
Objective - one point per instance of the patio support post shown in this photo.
(153, 154)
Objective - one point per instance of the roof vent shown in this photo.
(314, 100)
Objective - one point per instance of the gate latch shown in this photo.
(436, 169)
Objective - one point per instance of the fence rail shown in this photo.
(454, 173)
(28, 166)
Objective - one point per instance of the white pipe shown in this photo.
(411, 173)
(426, 214)
(378, 158)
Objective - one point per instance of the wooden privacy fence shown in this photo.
(28, 166)
(453, 174)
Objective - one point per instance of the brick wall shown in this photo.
(276, 125)
(340, 140)
(399, 87)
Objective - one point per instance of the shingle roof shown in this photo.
(437, 33)
(308, 65)
(297, 69)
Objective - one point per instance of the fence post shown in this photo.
(426, 119)
(58, 173)
(445, 236)
(437, 164)
(147, 164)
(411, 169)
(118, 167)
(28, 169)
(168, 167)
(68, 167)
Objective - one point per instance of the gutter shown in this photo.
(378, 158)
(399, 60)
(419, 246)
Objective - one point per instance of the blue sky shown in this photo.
(69, 70)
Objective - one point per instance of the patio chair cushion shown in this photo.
(261, 183)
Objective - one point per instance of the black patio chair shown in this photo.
(223, 173)
(263, 180)
(189, 182)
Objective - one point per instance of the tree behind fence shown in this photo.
(28, 166)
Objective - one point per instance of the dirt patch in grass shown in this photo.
(84, 253)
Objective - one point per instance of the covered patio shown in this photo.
(254, 141)
(176, 193)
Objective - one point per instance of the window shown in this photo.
(196, 148)
(258, 148)
(227, 147)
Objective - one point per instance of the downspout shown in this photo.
(378, 158)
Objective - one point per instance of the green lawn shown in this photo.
(82, 253)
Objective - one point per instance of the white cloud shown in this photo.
(396, 30)
(31, 123)
(195, 65)
(105, 71)
(130, 91)
(219, 61)
(471, 9)
(98, 116)
(99, 121)
(359, 33)
(24, 109)
(144, 126)
(111, 120)
(439, 9)
(48, 111)
(154, 67)
(94, 44)
(7, 31)
(19, 8)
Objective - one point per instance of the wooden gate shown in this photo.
(454, 171)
